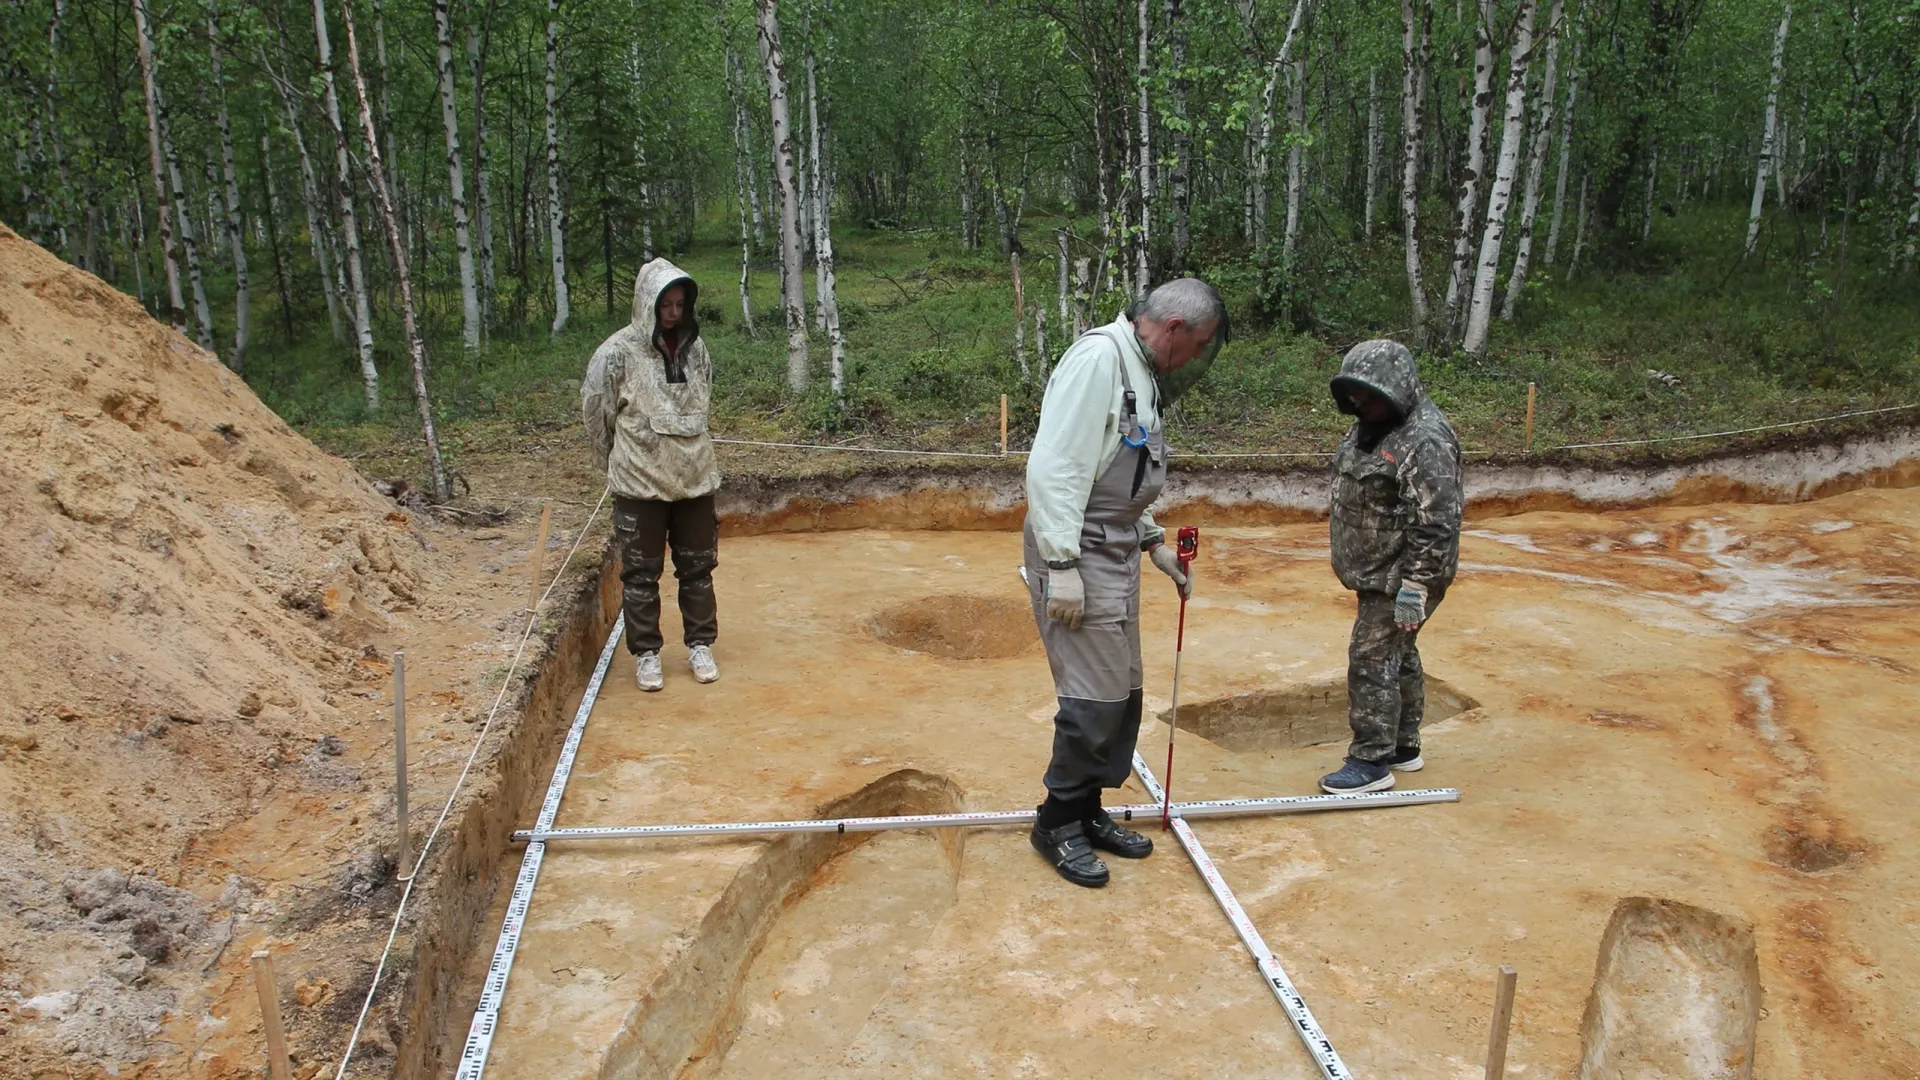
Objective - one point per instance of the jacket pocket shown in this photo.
(679, 424)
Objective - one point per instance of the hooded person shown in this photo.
(1395, 527)
(645, 401)
(1097, 464)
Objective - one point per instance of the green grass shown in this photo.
(930, 351)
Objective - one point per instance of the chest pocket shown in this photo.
(1368, 489)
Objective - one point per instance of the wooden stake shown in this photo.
(540, 556)
(1502, 1017)
(1530, 392)
(278, 1068)
(404, 856)
(1003, 423)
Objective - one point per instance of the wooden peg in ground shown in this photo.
(278, 1067)
(1502, 1019)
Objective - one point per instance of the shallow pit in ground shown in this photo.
(1290, 717)
(1676, 995)
(958, 626)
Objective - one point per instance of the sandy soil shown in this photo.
(195, 733)
(1709, 705)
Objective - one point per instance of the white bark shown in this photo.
(1413, 125)
(825, 287)
(196, 282)
(386, 113)
(742, 184)
(1512, 134)
(1066, 294)
(314, 204)
(437, 469)
(456, 181)
(556, 221)
(356, 272)
(1263, 151)
(1180, 184)
(236, 230)
(1566, 157)
(1019, 320)
(793, 286)
(1537, 162)
(1040, 342)
(1769, 129)
(144, 33)
(1467, 209)
(1296, 156)
(812, 180)
(1144, 242)
(1580, 229)
(1373, 150)
(482, 182)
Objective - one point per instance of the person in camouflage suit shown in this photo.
(1395, 527)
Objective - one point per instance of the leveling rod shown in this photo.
(1286, 804)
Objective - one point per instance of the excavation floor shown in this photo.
(1711, 704)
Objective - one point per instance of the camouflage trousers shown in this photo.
(646, 529)
(1386, 687)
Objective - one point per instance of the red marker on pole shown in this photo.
(1187, 547)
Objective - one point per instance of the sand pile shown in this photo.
(185, 585)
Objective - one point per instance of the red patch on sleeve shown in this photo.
(1389, 456)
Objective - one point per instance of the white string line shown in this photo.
(506, 682)
(1326, 454)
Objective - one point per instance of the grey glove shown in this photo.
(1410, 606)
(1168, 560)
(1066, 597)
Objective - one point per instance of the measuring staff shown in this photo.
(1098, 462)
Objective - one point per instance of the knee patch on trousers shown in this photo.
(694, 569)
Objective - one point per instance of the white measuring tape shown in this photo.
(1284, 804)
(1304, 1025)
(486, 1015)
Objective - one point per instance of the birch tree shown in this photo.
(829, 301)
(236, 231)
(1536, 162)
(182, 204)
(1263, 152)
(313, 202)
(556, 221)
(1512, 134)
(456, 183)
(1467, 208)
(436, 466)
(742, 182)
(1373, 150)
(792, 286)
(356, 272)
(176, 302)
(1180, 182)
(1769, 130)
(1566, 155)
(1415, 54)
(478, 35)
(1296, 156)
(1145, 153)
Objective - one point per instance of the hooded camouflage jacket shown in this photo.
(1396, 502)
(646, 419)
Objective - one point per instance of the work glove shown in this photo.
(1410, 606)
(1066, 597)
(1167, 559)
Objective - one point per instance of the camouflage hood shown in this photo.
(1384, 367)
(652, 280)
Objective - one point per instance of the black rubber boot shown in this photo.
(1107, 835)
(1066, 847)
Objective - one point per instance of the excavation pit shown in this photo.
(1290, 718)
(910, 954)
(959, 626)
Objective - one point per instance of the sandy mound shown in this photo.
(186, 582)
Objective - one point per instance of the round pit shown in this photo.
(1295, 716)
(958, 626)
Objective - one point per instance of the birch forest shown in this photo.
(897, 208)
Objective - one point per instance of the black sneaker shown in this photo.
(1066, 847)
(1357, 776)
(1107, 835)
(1407, 760)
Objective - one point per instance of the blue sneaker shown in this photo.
(1357, 776)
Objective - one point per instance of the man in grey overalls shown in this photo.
(1098, 462)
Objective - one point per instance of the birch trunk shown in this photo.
(825, 287)
(1373, 150)
(1040, 342)
(743, 185)
(456, 182)
(236, 230)
(1580, 229)
(556, 230)
(812, 180)
(1296, 157)
(793, 287)
(1913, 214)
(1263, 152)
(477, 39)
(1512, 134)
(1566, 157)
(196, 282)
(1653, 178)
(1537, 162)
(437, 468)
(1144, 246)
(1467, 209)
(1769, 130)
(281, 276)
(144, 31)
(1180, 184)
(1066, 302)
(386, 113)
(356, 271)
(1413, 125)
(1019, 320)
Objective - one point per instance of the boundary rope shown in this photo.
(399, 914)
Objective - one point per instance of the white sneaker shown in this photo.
(646, 672)
(701, 661)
